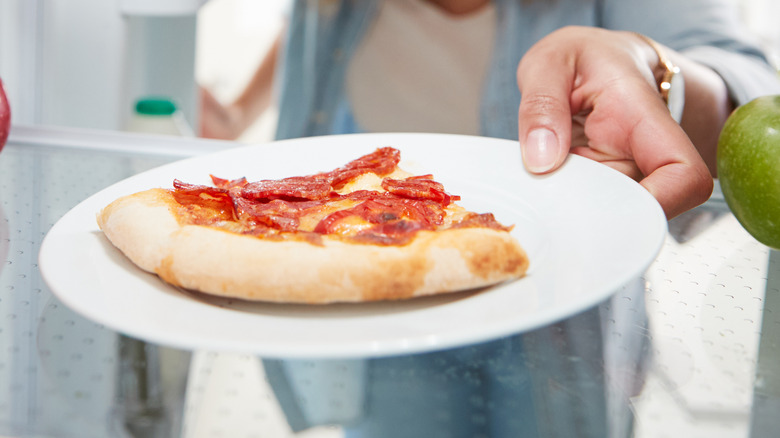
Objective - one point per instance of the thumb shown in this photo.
(544, 117)
(544, 132)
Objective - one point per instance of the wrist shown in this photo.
(669, 78)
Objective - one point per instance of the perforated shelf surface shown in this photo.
(689, 349)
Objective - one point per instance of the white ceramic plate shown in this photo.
(587, 229)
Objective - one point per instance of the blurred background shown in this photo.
(84, 63)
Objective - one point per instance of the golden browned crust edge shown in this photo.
(141, 226)
(144, 227)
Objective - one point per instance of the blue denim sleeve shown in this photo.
(709, 32)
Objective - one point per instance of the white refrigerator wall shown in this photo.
(81, 63)
(19, 57)
(159, 60)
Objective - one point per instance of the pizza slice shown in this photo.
(365, 231)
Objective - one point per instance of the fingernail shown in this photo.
(541, 150)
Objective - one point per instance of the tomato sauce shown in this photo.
(275, 208)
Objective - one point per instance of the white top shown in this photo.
(420, 69)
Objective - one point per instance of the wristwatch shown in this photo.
(671, 85)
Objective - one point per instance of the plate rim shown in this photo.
(444, 341)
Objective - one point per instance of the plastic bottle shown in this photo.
(158, 115)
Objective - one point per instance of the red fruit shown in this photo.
(5, 116)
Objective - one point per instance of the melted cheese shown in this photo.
(453, 213)
(351, 225)
(371, 181)
(309, 222)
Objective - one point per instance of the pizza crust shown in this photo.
(145, 228)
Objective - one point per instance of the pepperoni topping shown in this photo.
(484, 220)
(197, 190)
(372, 211)
(299, 187)
(390, 233)
(418, 188)
(274, 208)
(388, 214)
(206, 204)
(227, 183)
(278, 214)
(383, 161)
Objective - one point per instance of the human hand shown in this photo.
(592, 92)
(216, 120)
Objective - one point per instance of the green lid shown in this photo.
(155, 106)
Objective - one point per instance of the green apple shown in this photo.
(749, 167)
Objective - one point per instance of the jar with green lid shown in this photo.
(158, 115)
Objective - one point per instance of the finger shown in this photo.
(676, 174)
(578, 137)
(544, 117)
(675, 189)
(625, 166)
(630, 122)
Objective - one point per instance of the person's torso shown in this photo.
(419, 68)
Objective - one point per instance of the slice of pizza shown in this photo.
(366, 231)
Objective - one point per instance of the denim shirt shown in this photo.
(324, 34)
